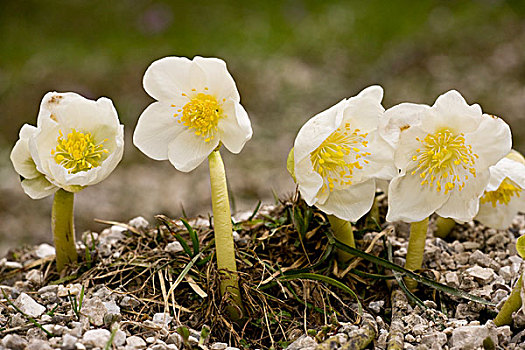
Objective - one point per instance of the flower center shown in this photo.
(78, 151)
(202, 113)
(444, 160)
(502, 195)
(337, 157)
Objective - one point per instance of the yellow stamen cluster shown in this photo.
(444, 160)
(202, 113)
(502, 195)
(78, 151)
(339, 154)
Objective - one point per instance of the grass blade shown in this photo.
(193, 236)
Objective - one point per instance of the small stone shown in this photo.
(14, 341)
(29, 306)
(232, 348)
(96, 337)
(38, 344)
(120, 338)
(471, 245)
(175, 339)
(12, 265)
(471, 337)
(434, 341)
(484, 274)
(135, 342)
(410, 338)
(112, 312)
(218, 346)
(303, 342)
(35, 277)
(505, 273)
(80, 346)
(139, 222)
(129, 302)
(376, 306)
(44, 250)
(68, 342)
(73, 289)
(174, 247)
(162, 318)
(94, 310)
(48, 293)
(150, 340)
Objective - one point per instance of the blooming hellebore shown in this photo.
(502, 199)
(443, 155)
(338, 155)
(77, 143)
(197, 110)
(198, 107)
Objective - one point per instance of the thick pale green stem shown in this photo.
(444, 226)
(512, 304)
(63, 228)
(222, 223)
(416, 247)
(374, 212)
(344, 232)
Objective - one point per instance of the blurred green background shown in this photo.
(291, 59)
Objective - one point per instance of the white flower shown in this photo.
(443, 154)
(77, 143)
(339, 154)
(503, 199)
(197, 107)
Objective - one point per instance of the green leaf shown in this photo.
(326, 279)
(423, 280)
(193, 236)
(520, 246)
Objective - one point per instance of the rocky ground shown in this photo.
(126, 294)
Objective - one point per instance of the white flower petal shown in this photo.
(491, 142)
(407, 148)
(452, 111)
(309, 181)
(464, 205)
(374, 92)
(218, 80)
(38, 187)
(156, 128)
(234, 130)
(352, 203)
(20, 155)
(187, 150)
(400, 118)
(381, 164)
(316, 130)
(408, 201)
(363, 113)
(499, 217)
(168, 77)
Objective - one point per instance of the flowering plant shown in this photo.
(77, 143)
(197, 108)
(337, 157)
(443, 156)
(502, 198)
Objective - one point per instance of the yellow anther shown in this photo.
(202, 114)
(78, 151)
(506, 190)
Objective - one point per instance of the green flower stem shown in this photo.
(444, 226)
(416, 247)
(63, 228)
(225, 249)
(344, 232)
(374, 211)
(512, 304)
